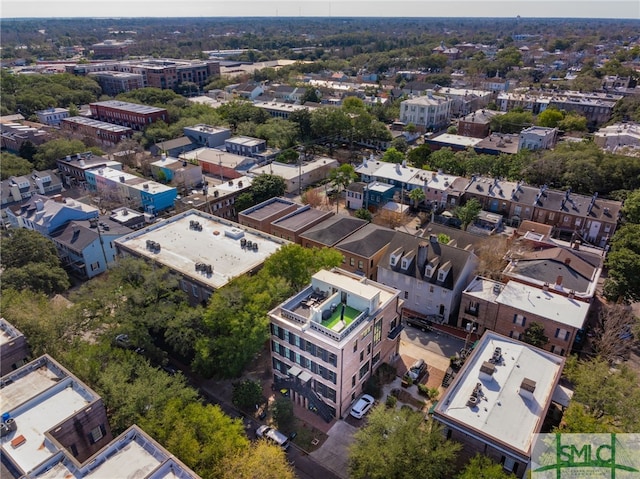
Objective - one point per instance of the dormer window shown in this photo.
(406, 262)
(444, 271)
(395, 257)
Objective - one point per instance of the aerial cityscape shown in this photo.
(319, 240)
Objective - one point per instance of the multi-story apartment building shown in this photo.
(591, 218)
(205, 251)
(499, 400)
(123, 113)
(102, 132)
(244, 145)
(538, 138)
(217, 199)
(477, 124)
(430, 275)
(110, 49)
(428, 113)
(510, 308)
(329, 338)
(465, 101)
(114, 83)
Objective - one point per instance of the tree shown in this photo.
(38, 277)
(12, 165)
(417, 196)
(247, 394)
(491, 255)
(265, 187)
(395, 443)
(631, 207)
(393, 156)
(534, 335)
(623, 261)
(482, 467)
(573, 122)
(283, 414)
(443, 238)
(608, 396)
(550, 118)
(419, 156)
(51, 151)
(468, 213)
(613, 333)
(511, 122)
(341, 177)
(261, 459)
(363, 214)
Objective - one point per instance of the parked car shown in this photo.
(273, 435)
(419, 323)
(362, 406)
(417, 369)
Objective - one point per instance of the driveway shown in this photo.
(333, 454)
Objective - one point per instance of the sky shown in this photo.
(620, 9)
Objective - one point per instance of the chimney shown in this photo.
(559, 281)
(433, 238)
(423, 249)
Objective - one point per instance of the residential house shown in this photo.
(355, 195)
(499, 400)
(430, 275)
(428, 113)
(330, 337)
(174, 148)
(45, 215)
(16, 189)
(618, 136)
(331, 231)
(205, 251)
(180, 173)
(14, 349)
(477, 124)
(261, 216)
(217, 199)
(538, 138)
(209, 136)
(52, 116)
(364, 249)
(249, 91)
(298, 177)
(130, 190)
(244, 145)
(86, 248)
(73, 168)
(292, 225)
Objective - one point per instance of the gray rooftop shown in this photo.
(333, 230)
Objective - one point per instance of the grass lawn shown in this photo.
(349, 315)
(306, 436)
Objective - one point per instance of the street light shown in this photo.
(94, 222)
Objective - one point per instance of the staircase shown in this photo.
(315, 400)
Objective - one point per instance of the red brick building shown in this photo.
(131, 115)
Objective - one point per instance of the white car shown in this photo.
(362, 406)
(273, 435)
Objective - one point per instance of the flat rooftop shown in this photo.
(291, 172)
(501, 412)
(545, 304)
(268, 208)
(102, 125)
(300, 218)
(128, 107)
(7, 332)
(485, 289)
(217, 242)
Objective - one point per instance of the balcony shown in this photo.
(471, 311)
(395, 332)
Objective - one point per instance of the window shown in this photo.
(96, 434)
(376, 358)
(185, 289)
(95, 266)
(353, 380)
(352, 262)
(361, 355)
(363, 370)
(377, 332)
(194, 290)
(355, 346)
(360, 264)
(562, 333)
(509, 464)
(519, 319)
(369, 348)
(406, 295)
(578, 221)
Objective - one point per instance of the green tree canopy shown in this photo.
(393, 156)
(512, 122)
(54, 150)
(395, 443)
(469, 212)
(631, 207)
(419, 156)
(481, 467)
(341, 177)
(265, 187)
(623, 262)
(12, 165)
(534, 335)
(261, 459)
(550, 117)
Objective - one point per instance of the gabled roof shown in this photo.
(333, 230)
(548, 264)
(441, 255)
(462, 238)
(367, 241)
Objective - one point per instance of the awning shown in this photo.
(294, 371)
(304, 377)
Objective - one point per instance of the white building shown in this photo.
(538, 138)
(428, 113)
(499, 400)
(52, 116)
(298, 177)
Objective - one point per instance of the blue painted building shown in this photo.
(46, 215)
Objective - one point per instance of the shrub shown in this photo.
(391, 401)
